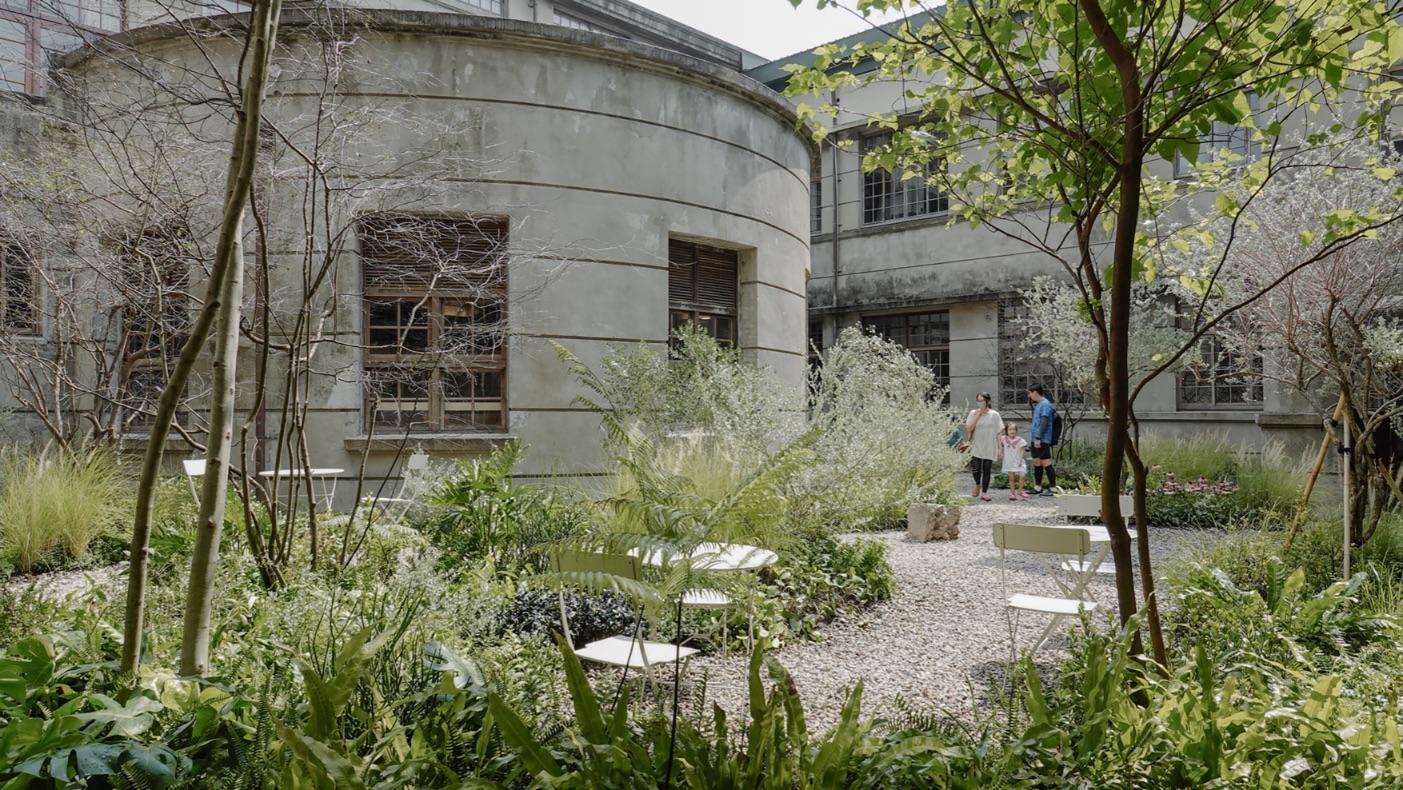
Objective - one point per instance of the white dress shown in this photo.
(1013, 455)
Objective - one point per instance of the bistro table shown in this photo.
(713, 557)
(1083, 570)
(315, 474)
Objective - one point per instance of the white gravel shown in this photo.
(64, 584)
(942, 643)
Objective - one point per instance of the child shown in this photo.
(1011, 445)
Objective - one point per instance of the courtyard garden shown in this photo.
(431, 653)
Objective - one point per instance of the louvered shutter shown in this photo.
(702, 277)
(402, 252)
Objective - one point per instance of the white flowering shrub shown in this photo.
(880, 434)
(883, 436)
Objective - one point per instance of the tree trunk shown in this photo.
(1118, 329)
(1142, 534)
(204, 564)
(238, 183)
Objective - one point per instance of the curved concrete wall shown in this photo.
(599, 150)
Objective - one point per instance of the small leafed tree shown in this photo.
(1043, 120)
(1321, 332)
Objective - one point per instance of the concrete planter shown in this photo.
(926, 522)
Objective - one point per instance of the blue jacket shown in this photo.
(1043, 412)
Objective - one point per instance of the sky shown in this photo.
(772, 28)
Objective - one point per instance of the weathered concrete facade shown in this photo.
(865, 271)
(596, 150)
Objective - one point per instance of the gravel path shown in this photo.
(943, 641)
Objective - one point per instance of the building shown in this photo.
(886, 257)
(503, 187)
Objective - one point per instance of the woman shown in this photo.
(982, 431)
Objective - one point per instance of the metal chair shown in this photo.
(194, 467)
(626, 652)
(1060, 541)
(416, 462)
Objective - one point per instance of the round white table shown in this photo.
(713, 557)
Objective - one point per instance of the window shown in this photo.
(153, 281)
(702, 285)
(435, 322)
(32, 31)
(1221, 380)
(886, 196)
(815, 349)
(1224, 137)
(1023, 364)
(925, 335)
(494, 6)
(576, 23)
(19, 302)
(815, 206)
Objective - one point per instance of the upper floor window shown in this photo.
(1221, 379)
(19, 292)
(702, 289)
(925, 335)
(578, 23)
(815, 205)
(434, 322)
(1240, 140)
(33, 31)
(889, 195)
(497, 7)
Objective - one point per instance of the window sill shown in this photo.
(431, 442)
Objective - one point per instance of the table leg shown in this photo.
(1076, 592)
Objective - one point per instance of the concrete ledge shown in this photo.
(432, 442)
(1282, 420)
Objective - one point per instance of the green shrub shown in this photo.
(480, 513)
(1269, 480)
(1204, 456)
(56, 500)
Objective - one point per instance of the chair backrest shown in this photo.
(621, 565)
(417, 462)
(1042, 540)
(194, 467)
(1089, 505)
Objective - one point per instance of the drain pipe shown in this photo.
(837, 265)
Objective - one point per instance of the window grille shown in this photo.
(887, 196)
(435, 322)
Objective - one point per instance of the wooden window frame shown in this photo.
(888, 198)
(436, 303)
(1020, 369)
(12, 254)
(688, 304)
(162, 344)
(923, 350)
(1210, 378)
(39, 19)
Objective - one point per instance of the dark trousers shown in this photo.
(983, 470)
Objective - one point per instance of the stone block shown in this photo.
(926, 522)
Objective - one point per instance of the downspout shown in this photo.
(532, 5)
(837, 180)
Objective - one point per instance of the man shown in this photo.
(1044, 414)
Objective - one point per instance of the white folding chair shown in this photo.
(194, 467)
(624, 651)
(1058, 541)
(416, 462)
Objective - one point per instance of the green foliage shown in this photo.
(56, 500)
(608, 750)
(479, 513)
(819, 579)
(1202, 456)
